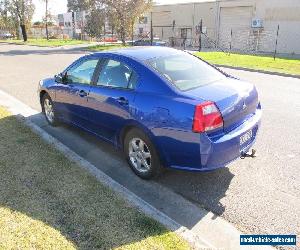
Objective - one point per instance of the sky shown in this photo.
(55, 7)
(60, 6)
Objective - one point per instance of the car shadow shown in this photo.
(202, 189)
(205, 189)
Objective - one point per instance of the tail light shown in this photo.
(207, 117)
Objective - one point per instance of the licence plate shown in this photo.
(246, 137)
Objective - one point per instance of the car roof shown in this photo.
(142, 53)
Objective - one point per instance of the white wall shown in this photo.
(285, 13)
(186, 15)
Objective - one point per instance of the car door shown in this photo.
(111, 97)
(72, 94)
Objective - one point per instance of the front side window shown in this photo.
(117, 74)
(83, 72)
(186, 71)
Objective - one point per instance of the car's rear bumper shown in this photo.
(218, 152)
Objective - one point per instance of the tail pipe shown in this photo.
(247, 154)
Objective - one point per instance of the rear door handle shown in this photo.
(122, 101)
(82, 93)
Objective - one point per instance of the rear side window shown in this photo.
(117, 74)
(133, 80)
(185, 71)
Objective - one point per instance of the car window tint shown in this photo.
(186, 71)
(113, 63)
(82, 72)
(177, 64)
(115, 74)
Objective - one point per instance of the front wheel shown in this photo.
(141, 155)
(48, 110)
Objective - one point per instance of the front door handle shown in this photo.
(82, 93)
(122, 100)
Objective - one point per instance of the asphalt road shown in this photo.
(260, 195)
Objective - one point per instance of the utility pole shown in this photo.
(173, 34)
(276, 43)
(73, 24)
(151, 31)
(200, 33)
(230, 45)
(46, 18)
(104, 29)
(132, 24)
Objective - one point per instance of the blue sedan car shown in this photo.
(162, 107)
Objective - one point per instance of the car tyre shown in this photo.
(141, 155)
(48, 110)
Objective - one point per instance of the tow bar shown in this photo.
(252, 155)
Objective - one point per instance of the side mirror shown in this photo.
(61, 78)
(58, 78)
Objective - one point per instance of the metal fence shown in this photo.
(56, 32)
(275, 40)
(249, 40)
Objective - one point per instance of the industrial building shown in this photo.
(242, 25)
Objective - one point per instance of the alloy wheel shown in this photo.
(139, 155)
(49, 112)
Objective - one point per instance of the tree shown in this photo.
(37, 23)
(46, 18)
(20, 13)
(125, 13)
(80, 5)
(120, 14)
(95, 23)
(3, 13)
(6, 20)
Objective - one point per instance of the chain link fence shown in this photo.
(248, 40)
(271, 41)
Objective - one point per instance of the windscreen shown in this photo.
(186, 71)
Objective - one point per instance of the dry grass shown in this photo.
(48, 202)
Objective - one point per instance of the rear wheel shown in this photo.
(141, 155)
(48, 110)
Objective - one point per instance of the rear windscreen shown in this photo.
(186, 71)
